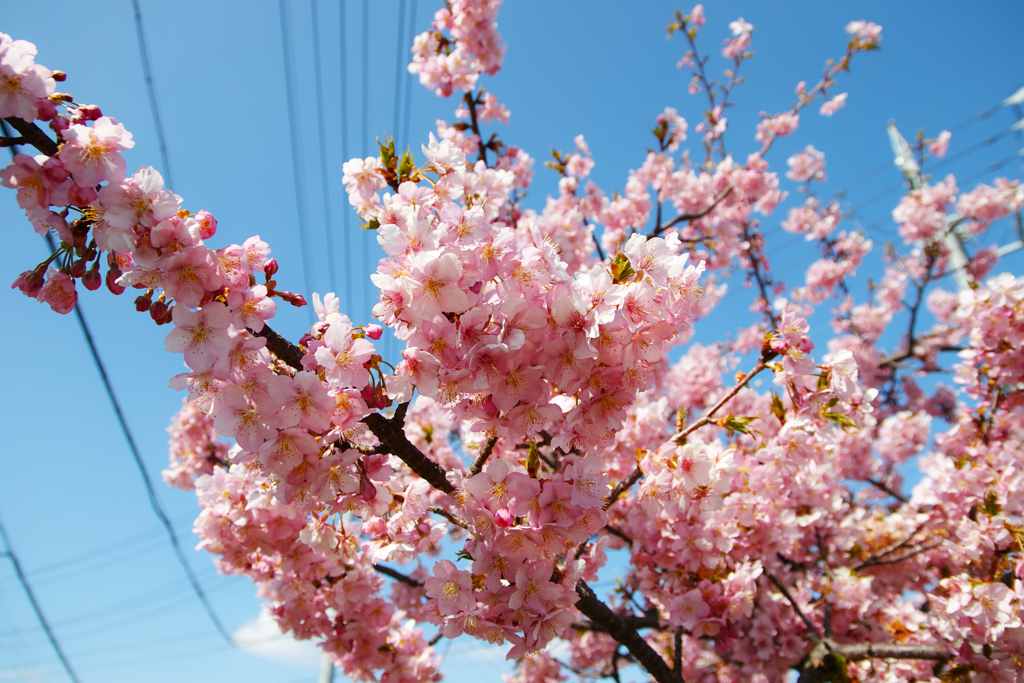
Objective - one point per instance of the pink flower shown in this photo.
(451, 587)
(833, 105)
(58, 291)
(697, 15)
(940, 144)
(22, 82)
(191, 274)
(91, 154)
(201, 335)
(866, 35)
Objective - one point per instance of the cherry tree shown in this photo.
(533, 425)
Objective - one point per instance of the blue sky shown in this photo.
(70, 498)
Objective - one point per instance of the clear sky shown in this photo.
(71, 500)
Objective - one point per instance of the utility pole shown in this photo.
(326, 669)
(904, 159)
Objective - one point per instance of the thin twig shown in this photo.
(481, 459)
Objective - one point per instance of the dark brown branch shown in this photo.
(680, 437)
(397, 576)
(281, 347)
(882, 486)
(457, 521)
(876, 562)
(394, 439)
(859, 651)
(33, 135)
(646, 621)
(677, 654)
(690, 216)
(481, 459)
(815, 636)
(617, 532)
(388, 431)
(601, 615)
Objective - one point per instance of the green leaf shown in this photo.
(843, 421)
(463, 555)
(992, 507)
(373, 224)
(778, 410)
(622, 269)
(734, 423)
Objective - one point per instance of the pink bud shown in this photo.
(207, 224)
(59, 76)
(45, 109)
(81, 196)
(78, 268)
(270, 268)
(503, 518)
(59, 124)
(92, 279)
(91, 112)
(112, 285)
(374, 331)
(158, 310)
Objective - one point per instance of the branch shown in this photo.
(875, 562)
(388, 431)
(33, 135)
(281, 347)
(601, 615)
(882, 486)
(457, 521)
(646, 621)
(691, 216)
(485, 452)
(680, 437)
(815, 636)
(859, 651)
(393, 437)
(397, 576)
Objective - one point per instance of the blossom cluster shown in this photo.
(551, 433)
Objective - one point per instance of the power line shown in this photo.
(296, 165)
(9, 554)
(398, 71)
(133, 449)
(323, 146)
(343, 29)
(144, 53)
(366, 122)
(408, 76)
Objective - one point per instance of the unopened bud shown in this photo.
(93, 280)
(374, 331)
(269, 268)
(207, 224)
(58, 76)
(158, 310)
(143, 302)
(111, 279)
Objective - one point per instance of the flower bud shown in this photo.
(78, 268)
(92, 280)
(158, 310)
(112, 285)
(374, 331)
(58, 76)
(143, 302)
(270, 268)
(207, 224)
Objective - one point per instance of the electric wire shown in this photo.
(10, 555)
(408, 76)
(345, 225)
(322, 137)
(398, 73)
(133, 449)
(300, 208)
(151, 91)
(365, 249)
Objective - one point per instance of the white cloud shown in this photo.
(262, 638)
